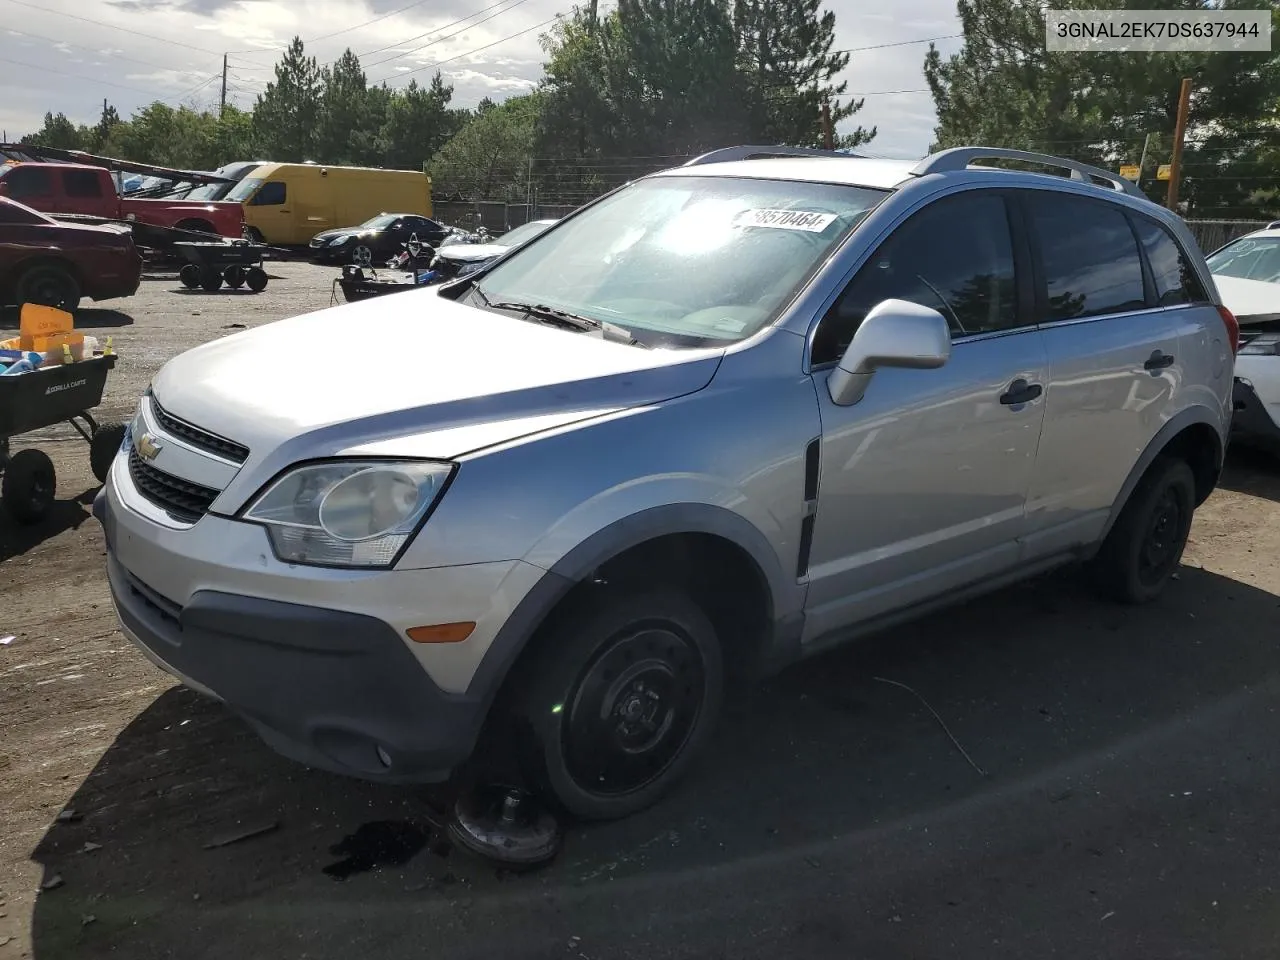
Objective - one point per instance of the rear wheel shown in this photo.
(1144, 548)
(50, 285)
(234, 275)
(256, 277)
(253, 234)
(189, 275)
(618, 701)
(28, 486)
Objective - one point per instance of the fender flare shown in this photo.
(784, 598)
(1186, 418)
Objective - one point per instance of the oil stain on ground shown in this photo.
(382, 843)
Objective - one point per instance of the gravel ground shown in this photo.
(1127, 804)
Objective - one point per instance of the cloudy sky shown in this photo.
(66, 55)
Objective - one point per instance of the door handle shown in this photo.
(1020, 392)
(1159, 360)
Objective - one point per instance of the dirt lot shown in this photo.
(1127, 805)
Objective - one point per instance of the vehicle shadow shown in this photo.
(1251, 471)
(86, 318)
(16, 539)
(1037, 677)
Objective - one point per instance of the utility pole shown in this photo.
(222, 102)
(1179, 133)
(828, 135)
(1142, 161)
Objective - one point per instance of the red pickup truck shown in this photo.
(90, 191)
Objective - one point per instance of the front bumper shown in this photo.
(1250, 422)
(316, 660)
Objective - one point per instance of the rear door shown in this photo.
(1116, 370)
(86, 192)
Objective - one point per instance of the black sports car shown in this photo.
(376, 240)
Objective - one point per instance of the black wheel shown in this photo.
(618, 700)
(49, 285)
(256, 277)
(210, 278)
(253, 234)
(103, 447)
(1143, 549)
(189, 275)
(28, 485)
(234, 275)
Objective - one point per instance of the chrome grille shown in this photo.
(200, 439)
(181, 499)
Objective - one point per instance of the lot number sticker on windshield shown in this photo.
(786, 220)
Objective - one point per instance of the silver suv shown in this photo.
(725, 417)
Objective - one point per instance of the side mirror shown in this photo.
(896, 333)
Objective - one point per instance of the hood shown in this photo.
(343, 232)
(471, 252)
(411, 374)
(1249, 298)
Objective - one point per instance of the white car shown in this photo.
(1247, 274)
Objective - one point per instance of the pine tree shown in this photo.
(287, 112)
(345, 131)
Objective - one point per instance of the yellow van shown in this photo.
(289, 203)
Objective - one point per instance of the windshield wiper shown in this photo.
(550, 314)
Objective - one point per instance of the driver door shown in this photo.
(923, 482)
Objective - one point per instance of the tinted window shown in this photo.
(29, 182)
(1176, 280)
(271, 193)
(81, 183)
(1091, 260)
(955, 256)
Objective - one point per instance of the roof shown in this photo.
(855, 171)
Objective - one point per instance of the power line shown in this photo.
(416, 3)
(469, 53)
(77, 76)
(900, 43)
(112, 26)
(432, 43)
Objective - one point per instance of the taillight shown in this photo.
(1233, 329)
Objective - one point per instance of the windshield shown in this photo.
(209, 191)
(1250, 258)
(245, 188)
(712, 258)
(380, 222)
(523, 233)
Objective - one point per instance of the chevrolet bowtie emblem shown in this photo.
(148, 447)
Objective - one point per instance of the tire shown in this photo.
(253, 234)
(652, 653)
(103, 447)
(28, 486)
(51, 285)
(1144, 548)
(189, 275)
(362, 254)
(234, 276)
(210, 279)
(256, 277)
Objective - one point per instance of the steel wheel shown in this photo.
(633, 710)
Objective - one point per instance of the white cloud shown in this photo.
(193, 34)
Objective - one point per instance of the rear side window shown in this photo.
(1175, 278)
(270, 194)
(1091, 262)
(81, 183)
(955, 255)
(28, 182)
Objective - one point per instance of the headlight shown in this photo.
(469, 268)
(338, 241)
(352, 513)
(1266, 345)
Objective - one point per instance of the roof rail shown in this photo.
(959, 158)
(730, 154)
